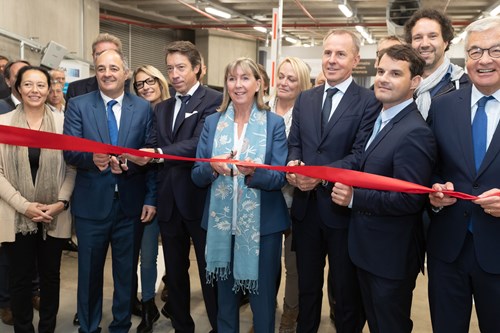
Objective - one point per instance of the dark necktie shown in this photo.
(182, 111)
(376, 129)
(479, 131)
(327, 107)
(112, 125)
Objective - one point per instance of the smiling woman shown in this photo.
(35, 189)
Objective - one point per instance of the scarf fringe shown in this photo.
(250, 286)
(218, 274)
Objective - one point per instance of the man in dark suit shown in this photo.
(4, 88)
(463, 241)
(177, 126)
(102, 43)
(106, 206)
(320, 138)
(9, 103)
(386, 241)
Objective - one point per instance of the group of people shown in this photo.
(426, 122)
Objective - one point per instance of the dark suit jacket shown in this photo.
(174, 178)
(6, 105)
(450, 118)
(85, 117)
(4, 88)
(346, 131)
(385, 233)
(274, 212)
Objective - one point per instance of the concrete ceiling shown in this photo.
(304, 20)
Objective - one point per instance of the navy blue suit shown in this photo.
(101, 215)
(386, 234)
(180, 203)
(274, 220)
(462, 263)
(319, 226)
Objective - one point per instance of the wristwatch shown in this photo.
(65, 202)
(155, 159)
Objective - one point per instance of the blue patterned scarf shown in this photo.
(220, 221)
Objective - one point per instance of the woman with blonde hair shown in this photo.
(151, 85)
(293, 77)
(245, 213)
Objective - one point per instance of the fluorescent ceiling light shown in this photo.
(345, 10)
(291, 40)
(217, 12)
(495, 11)
(366, 35)
(261, 29)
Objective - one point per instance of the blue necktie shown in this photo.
(376, 129)
(479, 131)
(112, 125)
(182, 111)
(327, 107)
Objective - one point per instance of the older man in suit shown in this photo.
(386, 242)
(102, 43)
(177, 126)
(463, 240)
(329, 122)
(106, 206)
(10, 102)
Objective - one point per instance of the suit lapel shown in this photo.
(316, 109)
(464, 128)
(492, 152)
(350, 96)
(169, 117)
(101, 120)
(387, 128)
(125, 120)
(191, 106)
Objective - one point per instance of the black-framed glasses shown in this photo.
(150, 81)
(476, 53)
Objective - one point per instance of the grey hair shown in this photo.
(492, 22)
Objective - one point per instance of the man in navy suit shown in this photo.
(106, 206)
(10, 102)
(177, 126)
(386, 241)
(463, 241)
(319, 226)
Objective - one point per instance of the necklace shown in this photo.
(41, 123)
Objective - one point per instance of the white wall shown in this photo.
(71, 23)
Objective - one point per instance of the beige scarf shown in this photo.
(18, 172)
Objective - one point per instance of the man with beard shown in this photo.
(430, 33)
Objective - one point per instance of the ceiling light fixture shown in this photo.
(291, 40)
(495, 11)
(261, 29)
(366, 35)
(344, 8)
(217, 12)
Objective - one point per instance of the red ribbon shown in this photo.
(39, 139)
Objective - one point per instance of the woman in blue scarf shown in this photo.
(245, 213)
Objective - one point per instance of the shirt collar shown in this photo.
(387, 115)
(15, 100)
(106, 99)
(190, 92)
(341, 86)
(476, 95)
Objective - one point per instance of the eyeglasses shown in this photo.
(476, 53)
(150, 81)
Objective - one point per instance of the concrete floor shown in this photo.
(420, 310)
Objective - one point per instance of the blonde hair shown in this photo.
(155, 73)
(247, 65)
(301, 70)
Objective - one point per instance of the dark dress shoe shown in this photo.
(6, 316)
(69, 245)
(150, 315)
(164, 311)
(136, 308)
(76, 322)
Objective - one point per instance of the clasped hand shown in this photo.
(38, 212)
(304, 183)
